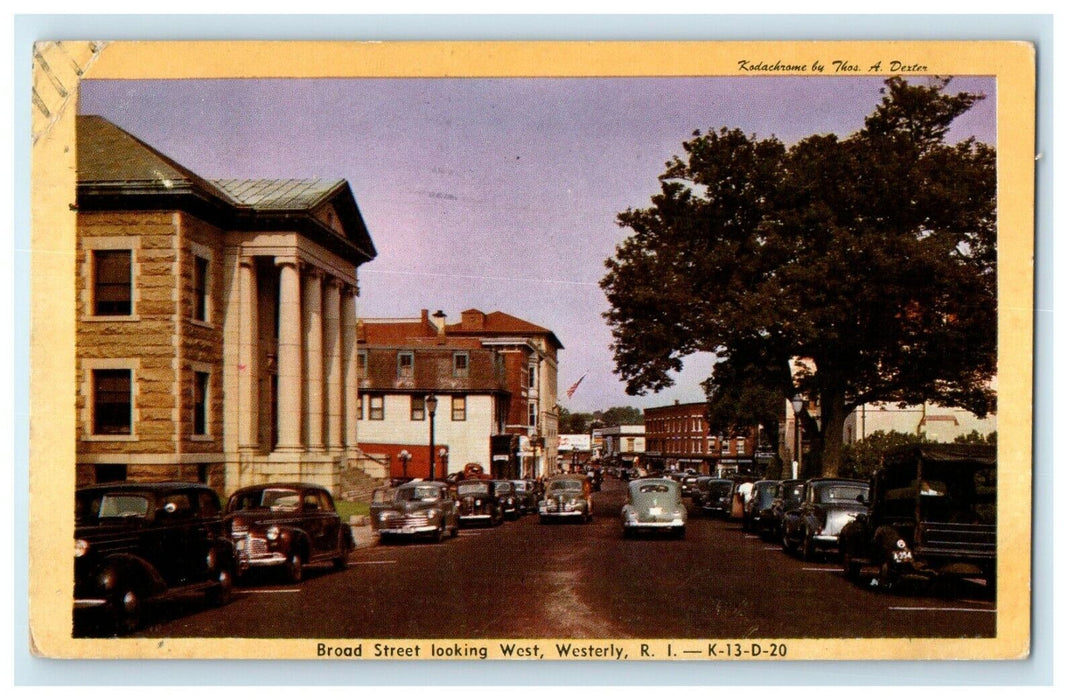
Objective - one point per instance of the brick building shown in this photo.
(212, 341)
(498, 371)
(678, 435)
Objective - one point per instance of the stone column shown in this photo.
(350, 367)
(249, 366)
(289, 359)
(333, 365)
(313, 354)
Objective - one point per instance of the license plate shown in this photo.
(656, 511)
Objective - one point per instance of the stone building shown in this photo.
(215, 334)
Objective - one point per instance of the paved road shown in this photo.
(528, 580)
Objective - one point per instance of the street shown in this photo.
(580, 581)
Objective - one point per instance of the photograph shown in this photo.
(587, 351)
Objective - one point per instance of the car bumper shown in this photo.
(89, 603)
(476, 516)
(655, 525)
(560, 513)
(407, 530)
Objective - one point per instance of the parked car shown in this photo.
(137, 544)
(932, 513)
(813, 527)
(527, 492)
(286, 526)
(760, 499)
(718, 497)
(567, 496)
(788, 495)
(478, 502)
(509, 499)
(416, 509)
(654, 505)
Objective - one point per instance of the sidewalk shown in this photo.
(362, 532)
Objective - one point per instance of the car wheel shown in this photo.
(628, 532)
(679, 533)
(543, 520)
(806, 547)
(851, 568)
(787, 544)
(455, 531)
(439, 534)
(886, 577)
(339, 562)
(293, 568)
(127, 609)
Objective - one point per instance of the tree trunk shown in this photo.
(833, 414)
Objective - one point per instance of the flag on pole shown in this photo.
(574, 386)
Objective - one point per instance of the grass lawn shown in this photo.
(348, 508)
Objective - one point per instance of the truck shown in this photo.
(931, 516)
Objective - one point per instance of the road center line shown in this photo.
(929, 609)
(805, 568)
(375, 561)
(271, 590)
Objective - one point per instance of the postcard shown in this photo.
(469, 351)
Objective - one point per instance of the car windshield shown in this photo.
(122, 505)
(503, 487)
(566, 485)
(280, 499)
(841, 493)
(520, 486)
(382, 495)
(653, 488)
(418, 493)
(473, 487)
(793, 493)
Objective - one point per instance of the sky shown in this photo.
(496, 194)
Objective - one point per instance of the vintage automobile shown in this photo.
(286, 526)
(931, 515)
(478, 502)
(137, 544)
(567, 496)
(700, 490)
(761, 497)
(509, 499)
(813, 527)
(527, 492)
(654, 505)
(415, 509)
(789, 493)
(718, 497)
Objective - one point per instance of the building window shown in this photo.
(725, 446)
(112, 402)
(201, 288)
(418, 407)
(460, 364)
(531, 376)
(361, 404)
(741, 446)
(459, 408)
(112, 283)
(363, 363)
(630, 444)
(377, 407)
(531, 414)
(405, 365)
(201, 403)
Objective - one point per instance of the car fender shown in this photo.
(886, 539)
(118, 569)
(811, 523)
(295, 539)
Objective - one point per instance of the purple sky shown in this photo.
(499, 194)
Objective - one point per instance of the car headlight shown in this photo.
(632, 517)
(81, 547)
(431, 513)
(901, 544)
(272, 534)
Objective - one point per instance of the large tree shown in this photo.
(847, 270)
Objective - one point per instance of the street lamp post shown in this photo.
(443, 454)
(796, 406)
(431, 408)
(404, 457)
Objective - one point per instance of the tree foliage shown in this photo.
(860, 459)
(873, 256)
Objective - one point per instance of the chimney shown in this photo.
(438, 321)
(425, 317)
(473, 320)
